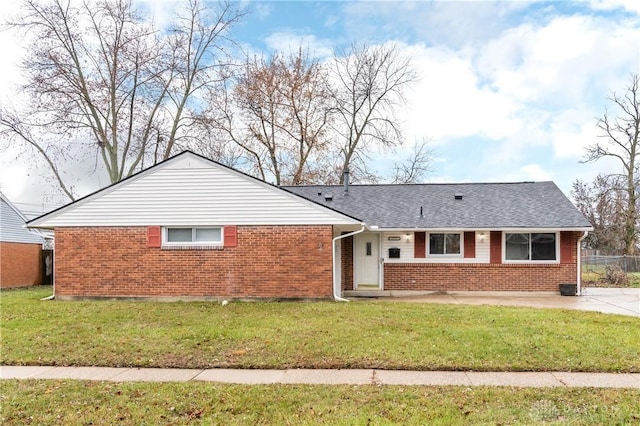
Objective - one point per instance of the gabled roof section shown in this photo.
(539, 205)
(12, 224)
(191, 190)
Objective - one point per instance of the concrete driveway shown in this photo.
(621, 301)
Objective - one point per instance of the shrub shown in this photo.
(614, 275)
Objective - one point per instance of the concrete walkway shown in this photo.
(327, 377)
(621, 301)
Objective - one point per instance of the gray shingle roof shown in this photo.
(483, 205)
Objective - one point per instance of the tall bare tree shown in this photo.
(278, 111)
(620, 136)
(370, 82)
(102, 80)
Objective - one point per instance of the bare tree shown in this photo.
(416, 167)
(102, 80)
(620, 140)
(278, 112)
(603, 205)
(369, 85)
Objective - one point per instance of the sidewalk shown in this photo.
(328, 377)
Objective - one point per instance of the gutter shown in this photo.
(336, 290)
(579, 263)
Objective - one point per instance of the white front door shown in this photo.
(367, 261)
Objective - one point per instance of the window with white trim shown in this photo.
(192, 236)
(534, 246)
(444, 243)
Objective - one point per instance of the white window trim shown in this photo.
(451, 255)
(534, 231)
(166, 243)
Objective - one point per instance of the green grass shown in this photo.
(634, 279)
(372, 334)
(49, 402)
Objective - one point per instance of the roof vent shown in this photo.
(457, 196)
(328, 197)
(345, 176)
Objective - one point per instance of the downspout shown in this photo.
(579, 262)
(336, 290)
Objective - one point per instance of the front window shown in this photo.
(192, 236)
(444, 243)
(530, 246)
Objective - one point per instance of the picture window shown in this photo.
(540, 246)
(445, 243)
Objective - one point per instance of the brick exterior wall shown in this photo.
(268, 262)
(20, 264)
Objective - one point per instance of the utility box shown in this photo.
(394, 253)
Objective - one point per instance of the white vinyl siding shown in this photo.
(189, 191)
(406, 246)
(482, 248)
(12, 226)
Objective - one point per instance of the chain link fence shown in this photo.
(596, 263)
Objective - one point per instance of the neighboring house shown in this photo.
(20, 249)
(190, 228)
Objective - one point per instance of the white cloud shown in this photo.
(572, 131)
(454, 23)
(629, 5)
(13, 180)
(541, 85)
(535, 172)
(12, 52)
(449, 102)
(289, 42)
(562, 61)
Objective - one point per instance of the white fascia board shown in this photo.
(538, 229)
(485, 229)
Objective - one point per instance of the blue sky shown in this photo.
(508, 91)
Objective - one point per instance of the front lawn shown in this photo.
(372, 334)
(48, 402)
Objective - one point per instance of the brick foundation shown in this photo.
(476, 277)
(20, 264)
(268, 262)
